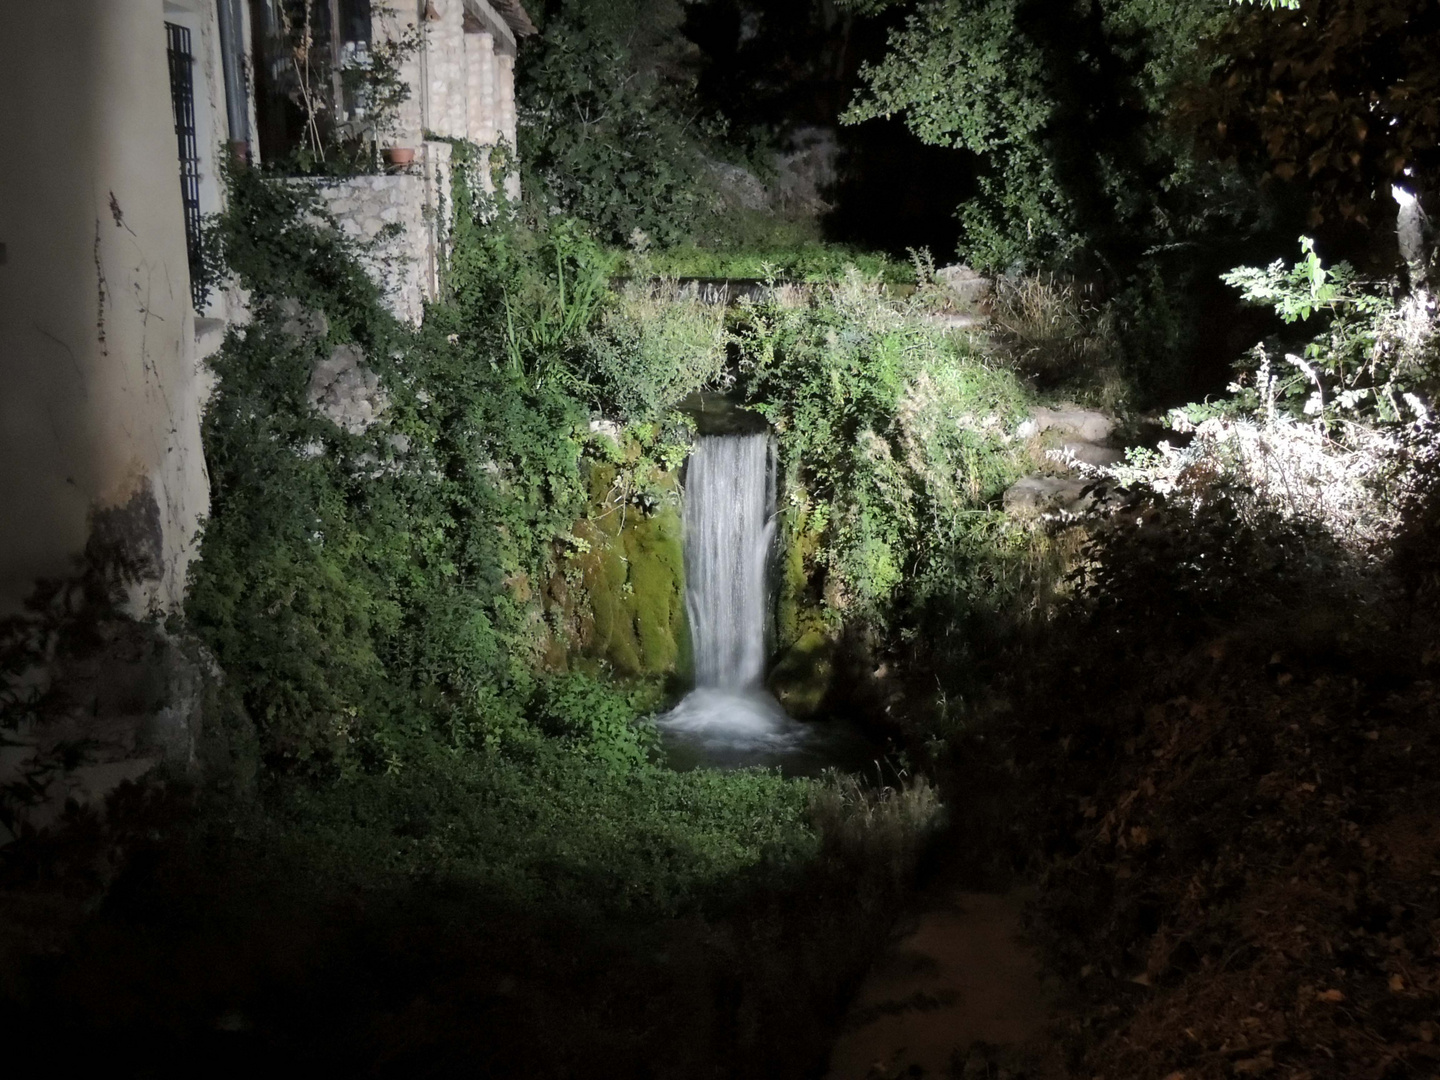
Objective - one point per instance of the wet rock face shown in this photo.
(802, 678)
(716, 414)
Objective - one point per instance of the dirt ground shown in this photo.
(963, 984)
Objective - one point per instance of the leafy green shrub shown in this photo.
(653, 346)
(545, 316)
(525, 288)
(1370, 353)
(596, 718)
(894, 433)
(607, 132)
(1062, 181)
(552, 828)
(1317, 436)
(361, 587)
(261, 239)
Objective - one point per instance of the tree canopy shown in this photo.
(1064, 108)
(608, 120)
(1342, 96)
(1094, 120)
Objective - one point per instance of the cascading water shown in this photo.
(729, 528)
(729, 525)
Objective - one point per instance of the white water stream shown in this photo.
(729, 526)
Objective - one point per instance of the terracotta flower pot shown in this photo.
(399, 155)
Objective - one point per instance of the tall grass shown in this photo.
(1052, 334)
(881, 831)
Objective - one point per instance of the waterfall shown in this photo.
(730, 718)
(729, 526)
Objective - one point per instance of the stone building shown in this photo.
(118, 116)
(461, 78)
(126, 108)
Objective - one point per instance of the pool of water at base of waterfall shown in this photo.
(728, 729)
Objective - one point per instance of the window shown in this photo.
(301, 49)
(182, 102)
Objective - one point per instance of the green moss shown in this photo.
(802, 678)
(600, 476)
(657, 575)
(797, 604)
(793, 581)
(613, 638)
(630, 612)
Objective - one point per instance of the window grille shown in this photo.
(182, 101)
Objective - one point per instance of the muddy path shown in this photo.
(961, 993)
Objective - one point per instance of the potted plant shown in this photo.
(377, 81)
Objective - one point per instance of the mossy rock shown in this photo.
(798, 603)
(600, 477)
(631, 613)
(657, 588)
(802, 678)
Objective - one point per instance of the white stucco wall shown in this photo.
(100, 396)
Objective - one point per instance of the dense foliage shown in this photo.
(449, 613)
(895, 442)
(1339, 97)
(1064, 108)
(1367, 352)
(471, 564)
(1084, 165)
(608, 126)
(364, 583)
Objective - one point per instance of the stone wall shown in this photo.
(447, 72)
(464, 88)
(403, 221)
(463, 75)
(388, 24)
(480, 87)
(505, 96)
